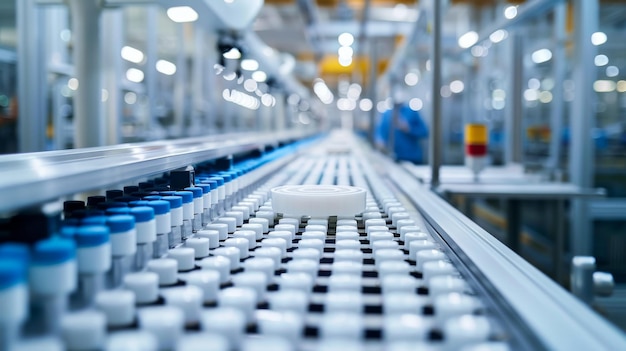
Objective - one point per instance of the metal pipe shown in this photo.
(88, 121)
(113, 22)
(436, 63)
(514, 114)
(151, 76)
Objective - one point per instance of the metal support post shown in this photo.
(581, 166)
(151, 75)
(88, 122)
(559, 71)
(113, 37)
(197, 80)
(180, 83)
(434, 147)
(31, 77)
(514, 113)
(373, 78)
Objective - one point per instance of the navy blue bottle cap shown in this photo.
(111, 204)
(91, 235)
(72, 205)
(12, 272)
(160, 206)
(142, 213)
(130, 189)
(152, 197)
(70, 221)
(138, 203)
(120, 223)
(168, 193)
(206, 188)
(53, 251)
(219, 180)
(175, 201)
(186, 195)
(93, 201)
(144, 185)
(94, 220)
(113, 194)
(117, 211)
(15, 251)
(197, 192)
(128, 198)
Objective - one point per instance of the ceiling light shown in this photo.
(131, 54)
(601, 60)
(598, 38)
(165, 67)
(457, 86)
(259, 76)
(411, 79)
(510, 12)
(612, 71)
(498, 36)
(249, 65)
(345, 61)
(345, 51)
(181, 14)
(134, 75)
(366, 105)
(541, 56)
(232, 54)
(345, 39)
(468, 39)
(604, 86)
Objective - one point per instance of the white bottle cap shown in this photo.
(347, 267)
(393, 267)
(222, 228)
(419, 245)
(285, 324)
(315, 228)
(348, 255)
(264, 265)
(348, 245)
(188, 298)
(446, 284)
(345, 282)
(406, 326)
(404, 302)
(226, 321)
(166, 269)
(279, 243)
(384, 245)
(203, 342)
(346, 228)
(249, 235)
(423, 256)
(243, 299)
(128, 340)
(412, 236)
(219, 264)
(184, 256)
(263, 222)
(432, 269)
(293, 221)
(245, 211)
(312, 243)
(319, 200)
(118, 306)
(372, 215)
(232, 253)
(340, 236)
(145, 286)
(199, 245)
(454, 304)
(397, 217)
(466, 329)
(318, 221)
(165, 323)
(289, 300)
(309, 267)
(314, 234)
(212, 235)
(375, 222)
(237, 215)
(256, 227)
(286, 227)
(241, 244)
(273, 253)
(84, 330)
(254, 280)
(264, 343)
(231, 222)
(383, 255)
(268, 215)
(283, 234)
(306, 253)
(342, 325)
(208, 281)
(408, 229)
(350, 222)
(297, 281)
(398, 283)
(380, 235)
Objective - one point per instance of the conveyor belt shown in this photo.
(408, 273)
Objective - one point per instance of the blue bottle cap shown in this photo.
(206, 188)
(219, 180)
(118, 211)
(152, 197)
(142, 213)
(175, 201)
(68, 231)
(12, 272)
(53, 251)
(91, 235)
(138, 203)
(227, 177)
(15, 251)
(70, 222)
(168, 193)
(120, 223)
(186, 195)
(160, 206)
(211, 183)
(197, 192)
(94, 220)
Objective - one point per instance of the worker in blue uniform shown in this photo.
(410, 129)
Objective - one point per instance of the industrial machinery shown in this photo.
(130, 268)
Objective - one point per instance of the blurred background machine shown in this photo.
(126, 91)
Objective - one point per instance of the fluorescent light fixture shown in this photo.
(345, 39)
(259, 76)
(604, 86)
(249, 65)
(612, 71)
(366, 105)
(534, 83)
(478, 51)
(232, 54)
(345, 51)
(598, 38)
(545, 97)
(165, 67)
(498, 36)
(134, 75)
(541, 56)
(131, 54)
(457, 86)
(468, 39)
(531, 95)
(250, 85)
(416, 104)
(510, 12)
(345, 104)
(345, 61)
(323, 92)
(268, 100)
(601, 60)
(354, 91)
(181, 14)
(411, 79)
(621, 86)
(241, 99)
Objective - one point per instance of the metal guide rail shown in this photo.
(214, 267)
